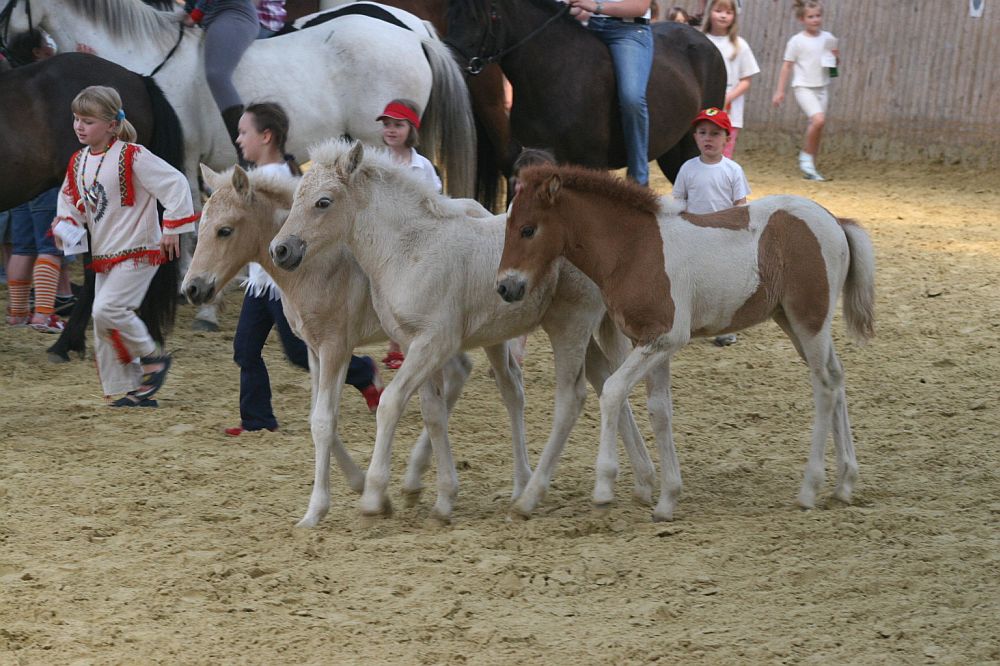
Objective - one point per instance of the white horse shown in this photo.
(328, 306)
(430, 264)
(333, 79)
(668, 276)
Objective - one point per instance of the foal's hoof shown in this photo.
(369, 507)
(205, 326)
(411, 496)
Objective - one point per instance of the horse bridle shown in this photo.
(478, 62)
(5, 15)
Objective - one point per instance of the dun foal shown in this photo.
(668, 276)
(328, 306)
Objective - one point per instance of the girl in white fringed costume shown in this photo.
(111, 187)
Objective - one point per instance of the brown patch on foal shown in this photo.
(792, 276)
(736, 219)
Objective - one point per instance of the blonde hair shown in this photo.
(801, 6)
(104, 103)
(734, 28)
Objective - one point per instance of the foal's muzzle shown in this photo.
(511, 289)
(288, 253)
(199, 291)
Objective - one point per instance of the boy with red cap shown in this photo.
(711, 181)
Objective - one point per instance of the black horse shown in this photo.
(36, 125)
(564, 82)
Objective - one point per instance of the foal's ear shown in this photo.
(210, 177)
(241, 183)
(349, 163)
(549, 189)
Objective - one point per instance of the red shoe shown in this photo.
(373, 391)
(393, 360)
(236, 431)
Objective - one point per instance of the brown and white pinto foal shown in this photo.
(668, 276)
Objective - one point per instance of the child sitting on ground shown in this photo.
(711, 181)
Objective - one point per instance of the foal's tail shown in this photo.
(450, 133)
(859, 288)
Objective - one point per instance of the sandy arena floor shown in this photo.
(147, 536)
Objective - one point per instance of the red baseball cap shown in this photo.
(715, 116)
(399, 111)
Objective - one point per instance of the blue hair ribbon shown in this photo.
(120, 116)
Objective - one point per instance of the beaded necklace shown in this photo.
(91, 193)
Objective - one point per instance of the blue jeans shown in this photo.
(31, 225)
(257, 317)
(631, 47)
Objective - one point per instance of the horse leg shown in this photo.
(456, 374)
(424, 356)
(510, 383)
(598, 370)
(827, 383)
(569, 352)
(613, 399)
(434, 409)
(74, 336)
(326, 375)
(843, 441)
(661, 411)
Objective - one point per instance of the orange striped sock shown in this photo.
(45, 275)
(18, 293)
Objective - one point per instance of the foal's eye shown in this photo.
(527, 232)
(324, 202)
(224, 231)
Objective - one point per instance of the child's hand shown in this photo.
(170, 246)
(778, 98)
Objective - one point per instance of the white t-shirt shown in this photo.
(421, 163)
(807, 53)
(740, 63)
(706, 188)
(258, 282)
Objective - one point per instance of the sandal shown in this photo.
(130, 399)
(152, 381)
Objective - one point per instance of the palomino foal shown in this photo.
(329, 307)
(430, 262)
(667, 276)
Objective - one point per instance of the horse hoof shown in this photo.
(57, 357)
(440, 517)
(308, 522)
(411, 496)
(375, 509)
(642, 497)
(204, 325)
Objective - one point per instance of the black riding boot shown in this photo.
(231, 117)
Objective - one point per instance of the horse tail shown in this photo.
(450, 132)
(859, 288)
(159, 306)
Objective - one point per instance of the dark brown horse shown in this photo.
(564, 85)
(36, 128)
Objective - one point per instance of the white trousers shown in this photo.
(120, 337)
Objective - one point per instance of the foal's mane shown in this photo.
(594, 181)
(378, 165)
(131, 20)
